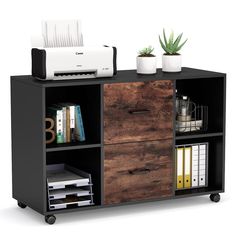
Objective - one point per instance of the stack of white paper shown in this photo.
(62, 33)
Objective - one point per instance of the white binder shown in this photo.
(195, 169)
(202, 164)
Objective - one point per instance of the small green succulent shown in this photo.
(146, 52)
(171, 46)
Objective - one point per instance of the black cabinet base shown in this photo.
(215, 197)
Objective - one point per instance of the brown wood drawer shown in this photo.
(138, 171)
(139, 111)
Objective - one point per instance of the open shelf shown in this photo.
(215, 164)
(208, 92)
(87, 160)
(89, 99)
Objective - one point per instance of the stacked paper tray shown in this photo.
(68, 186)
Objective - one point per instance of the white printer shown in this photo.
(73, 62)
(62, 55)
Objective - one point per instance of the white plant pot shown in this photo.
(171, 63)
(146, 65)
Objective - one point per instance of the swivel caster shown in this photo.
(21, 205)
(50, 219)
(215, 197)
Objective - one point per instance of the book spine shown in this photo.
(77, 133)
(68, 124)
(64, 123)
(80, 124)
(72, 122)
(59, 126)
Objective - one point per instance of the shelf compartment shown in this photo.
(89, 99)
(208, 92)
(215, 164)
(87, 160)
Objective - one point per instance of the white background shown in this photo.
(128, 25)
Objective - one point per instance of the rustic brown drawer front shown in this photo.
(138, 171)
(139, 111)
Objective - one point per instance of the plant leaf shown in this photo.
(178, 48)
(163, 46)
(164, 36)
(176, 43)
(171, 39)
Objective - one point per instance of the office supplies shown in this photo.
(195, 169)
(190, 117)
(187, 167)
(79, 127)
(73, 62)
(62, 193)
(68, 186)
(188, 126)
(62, 56)
(62, 33)
(180, 165)
(202, 164)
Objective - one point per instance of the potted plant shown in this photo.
(146, 61)
(171, 59)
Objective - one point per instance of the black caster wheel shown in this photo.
(215, 197)
(21, 205)
(50, 219)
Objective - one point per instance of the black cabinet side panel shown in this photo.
(28, 150)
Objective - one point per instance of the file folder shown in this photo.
(187, 167)
(195, 169)
(202, 164)
(180, 165)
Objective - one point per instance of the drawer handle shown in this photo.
(139, 171)
(139, 111)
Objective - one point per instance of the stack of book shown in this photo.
(68, 122)
(68, 187)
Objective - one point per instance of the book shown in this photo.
(79, 127)
(68, 138)
(64, 123)
(56, 114)
(69, 121)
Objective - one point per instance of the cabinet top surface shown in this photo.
(123, 76)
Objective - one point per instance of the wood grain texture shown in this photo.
(139, 111)
(138, 171)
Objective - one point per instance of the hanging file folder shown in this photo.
(179, 163)
(187, 167)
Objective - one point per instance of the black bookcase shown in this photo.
(31, 155)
